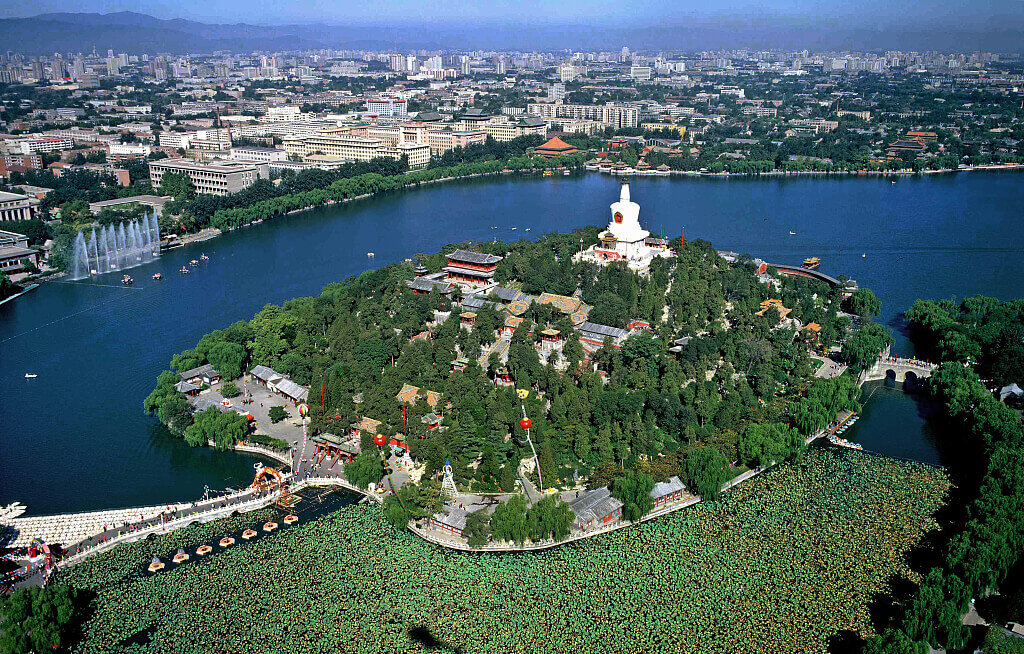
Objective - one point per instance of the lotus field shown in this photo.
(780, 564)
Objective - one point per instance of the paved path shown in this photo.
(829, 368)
(70, 528)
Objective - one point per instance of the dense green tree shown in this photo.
(223, 428)
(704, 471)
(863, 302)
(478, 528)
(893, 641)
(862, 349)
(508, 522)
(634, 491)
(37, 619)
(764, 443)
(549, 518)
(277, 413)
(365, 469)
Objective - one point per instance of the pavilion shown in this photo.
(556, 147)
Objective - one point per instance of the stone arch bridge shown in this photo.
(901, 369)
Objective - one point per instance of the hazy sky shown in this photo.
(906, 14)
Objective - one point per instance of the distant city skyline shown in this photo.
(832, 14)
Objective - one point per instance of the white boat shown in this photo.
(514, 228)
(527, 229)
(792, 233)
(30, 375)
(370, 254)
(11, 511)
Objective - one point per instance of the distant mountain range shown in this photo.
(139, 33)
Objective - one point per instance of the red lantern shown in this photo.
(379, 440)
(525, 423)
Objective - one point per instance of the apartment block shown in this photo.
(221, 178)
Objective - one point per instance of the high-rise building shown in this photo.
(391, 107)
(568, 72)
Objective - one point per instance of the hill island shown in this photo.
(511, 396)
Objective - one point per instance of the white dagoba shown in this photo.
(625, 227)
(625, 240)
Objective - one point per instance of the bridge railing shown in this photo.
(164, 527)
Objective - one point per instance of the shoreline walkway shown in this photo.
(250, 499)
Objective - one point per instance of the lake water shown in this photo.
(75, 438)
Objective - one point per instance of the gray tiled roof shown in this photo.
(427, 285)
(456, 517)
(506, 294)
(594, 329)
(264, 373)
(206, 369)
(477, 302)
(594, 505)
(478, 258)
(292, 390)
(663, 488)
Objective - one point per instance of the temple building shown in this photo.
(556, 147)
(468, 267)
(625, 240)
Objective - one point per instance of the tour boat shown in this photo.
(194, 262)
(248, 533)
(204, 550)
(156, 565)
(226, 541)
(269, 527)
(30, 375)
(158, 276)
(812, 262)
(291, 519)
